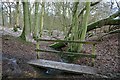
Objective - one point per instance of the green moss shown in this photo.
(57, 45)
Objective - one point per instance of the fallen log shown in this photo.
(103, 22)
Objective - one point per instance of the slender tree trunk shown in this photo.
(41, 27)
(10, 22)
(30, 22)
(10, 18)
(10, 15)
(42, 18)
(2, 16)
(85, 23)
(64, 18)
(24, 13)
(17, 17)
(30, 19)
(36, 30)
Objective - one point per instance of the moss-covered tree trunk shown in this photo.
(30, 22)
(36, 28)
(26, 21)
(41, 26)
(73, 47)
(84, 24)
(78, 32)
(42, 18)
(74, 31)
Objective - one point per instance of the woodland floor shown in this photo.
(107, 61)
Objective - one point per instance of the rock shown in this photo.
(13, 69)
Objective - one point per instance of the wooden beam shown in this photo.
(67, 41)
(68, 53)
(66, 67)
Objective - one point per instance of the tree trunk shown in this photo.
(73, 46)
(42, 18)
(26, 21)
(30, 22)
(10, 20)
(98, 24)
(2, 16)
(17, 11)
(17, 17)
(41, 27)
(85, 23)
(36, 30)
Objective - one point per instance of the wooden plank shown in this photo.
(68, 53)
(67, 41)
(73, 68)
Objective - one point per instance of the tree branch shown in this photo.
(92, 4)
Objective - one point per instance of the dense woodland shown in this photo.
(67, 26)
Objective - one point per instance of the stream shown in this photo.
(14, 69)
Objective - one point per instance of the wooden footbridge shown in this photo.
(67, 67)
(73, 68)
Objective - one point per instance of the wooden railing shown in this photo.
(93, 55)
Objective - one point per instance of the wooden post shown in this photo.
(93, 53)
(37, 46)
